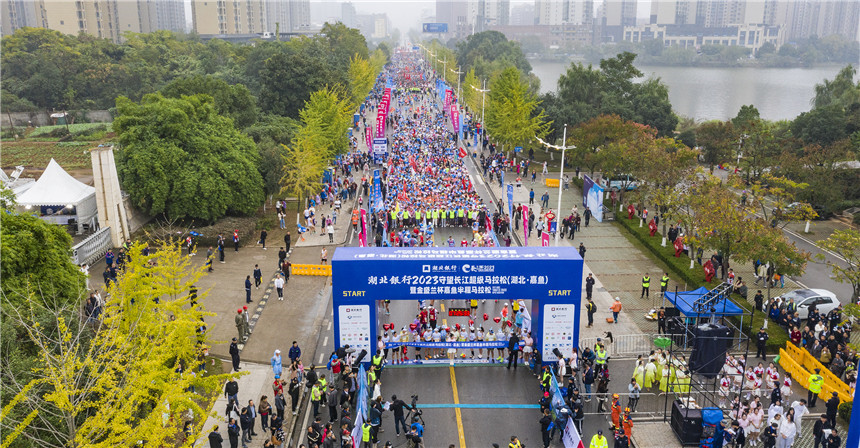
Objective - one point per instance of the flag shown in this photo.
(570, 437)
(463, 152)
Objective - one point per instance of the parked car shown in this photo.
(805, 299)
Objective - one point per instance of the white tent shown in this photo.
(58, 198)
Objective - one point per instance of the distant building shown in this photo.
(693, 36)
(550, 36)
(347, 14)
(523, 15)
(472, 16)
(300, 15)
(278, 16)
(106, 19)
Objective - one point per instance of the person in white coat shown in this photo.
(800, 410)
(787, 432)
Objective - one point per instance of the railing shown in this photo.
(93, 247)
(627, 345)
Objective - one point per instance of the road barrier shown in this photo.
(623, 346)
(799, 362)
(323, 270)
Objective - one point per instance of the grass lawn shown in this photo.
(73, 128)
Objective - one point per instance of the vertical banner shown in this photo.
(455, 118)
(511, 201)
(544, 239)
(377, 191)
(448, 94)
(380, 125)
(592, 197)
(525, 225)
(362, 237)
(368, 134)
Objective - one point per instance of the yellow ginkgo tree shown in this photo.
(133, 376)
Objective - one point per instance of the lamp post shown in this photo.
(458, 73)
(563, 147)
(483, 93)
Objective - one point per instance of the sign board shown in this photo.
(458, 312)
(434, 27)
(518, 149)
(557, 332)
(592, 197)
(550, 277)
(380, 146)
(354, 326)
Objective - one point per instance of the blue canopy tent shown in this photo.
(700, 301)
(707, 304)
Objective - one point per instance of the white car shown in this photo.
(805, 299)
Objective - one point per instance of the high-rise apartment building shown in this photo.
(619, 13)
(347, 14)
(107, 19)
(300, 15)
(277, 16)
(580, 12)
(229, 16)
(497, 12)
(551, 12)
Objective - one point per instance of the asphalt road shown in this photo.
(818, 274)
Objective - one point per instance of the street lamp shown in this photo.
(483, 93)
(458, 73)
(563, 147)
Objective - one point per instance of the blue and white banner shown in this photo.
(377, 192)
(592, 197)
(511, 201)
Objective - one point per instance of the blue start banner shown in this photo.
(550, 278)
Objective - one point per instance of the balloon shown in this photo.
(471, 322)
(413, 326)
(509, 323)
(486, 317)
(497, 319)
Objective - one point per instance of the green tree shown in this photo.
(288, 79)
(36, 258)
(585, 92)
(717, 139)
(235, 102)
(823, 125)
(120, 385)
(328, 115)
(362, 77)
(181, 159)
(513, 116)
(842, 90)
(846, 244)
(490, 46)
(747, 117)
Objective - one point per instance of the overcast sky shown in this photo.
(404, 14)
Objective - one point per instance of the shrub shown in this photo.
(844, 411)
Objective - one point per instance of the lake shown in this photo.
(708, 93)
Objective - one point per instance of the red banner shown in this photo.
(362, 237)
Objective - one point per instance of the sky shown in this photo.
(406, 14)
(403, 14)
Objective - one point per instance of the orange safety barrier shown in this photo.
(799, 363)
(323, 270)
(551, 183)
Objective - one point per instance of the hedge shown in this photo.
(695, 278)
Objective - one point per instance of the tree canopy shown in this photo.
(585, 92)
(233, 101)
(177, 151)
(514, 117)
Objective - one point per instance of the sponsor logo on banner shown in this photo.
(544, 239)
(571, 437)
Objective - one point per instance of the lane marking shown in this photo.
(481, 406)
(321, 359)
(328, 327)
(325, 341)
(807, 241)
(457, 412)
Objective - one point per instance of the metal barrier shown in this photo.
(93, 247)
(631, 345)
(323, 270)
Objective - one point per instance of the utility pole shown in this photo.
(483, 92)
(563, 147)
(458, 72)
